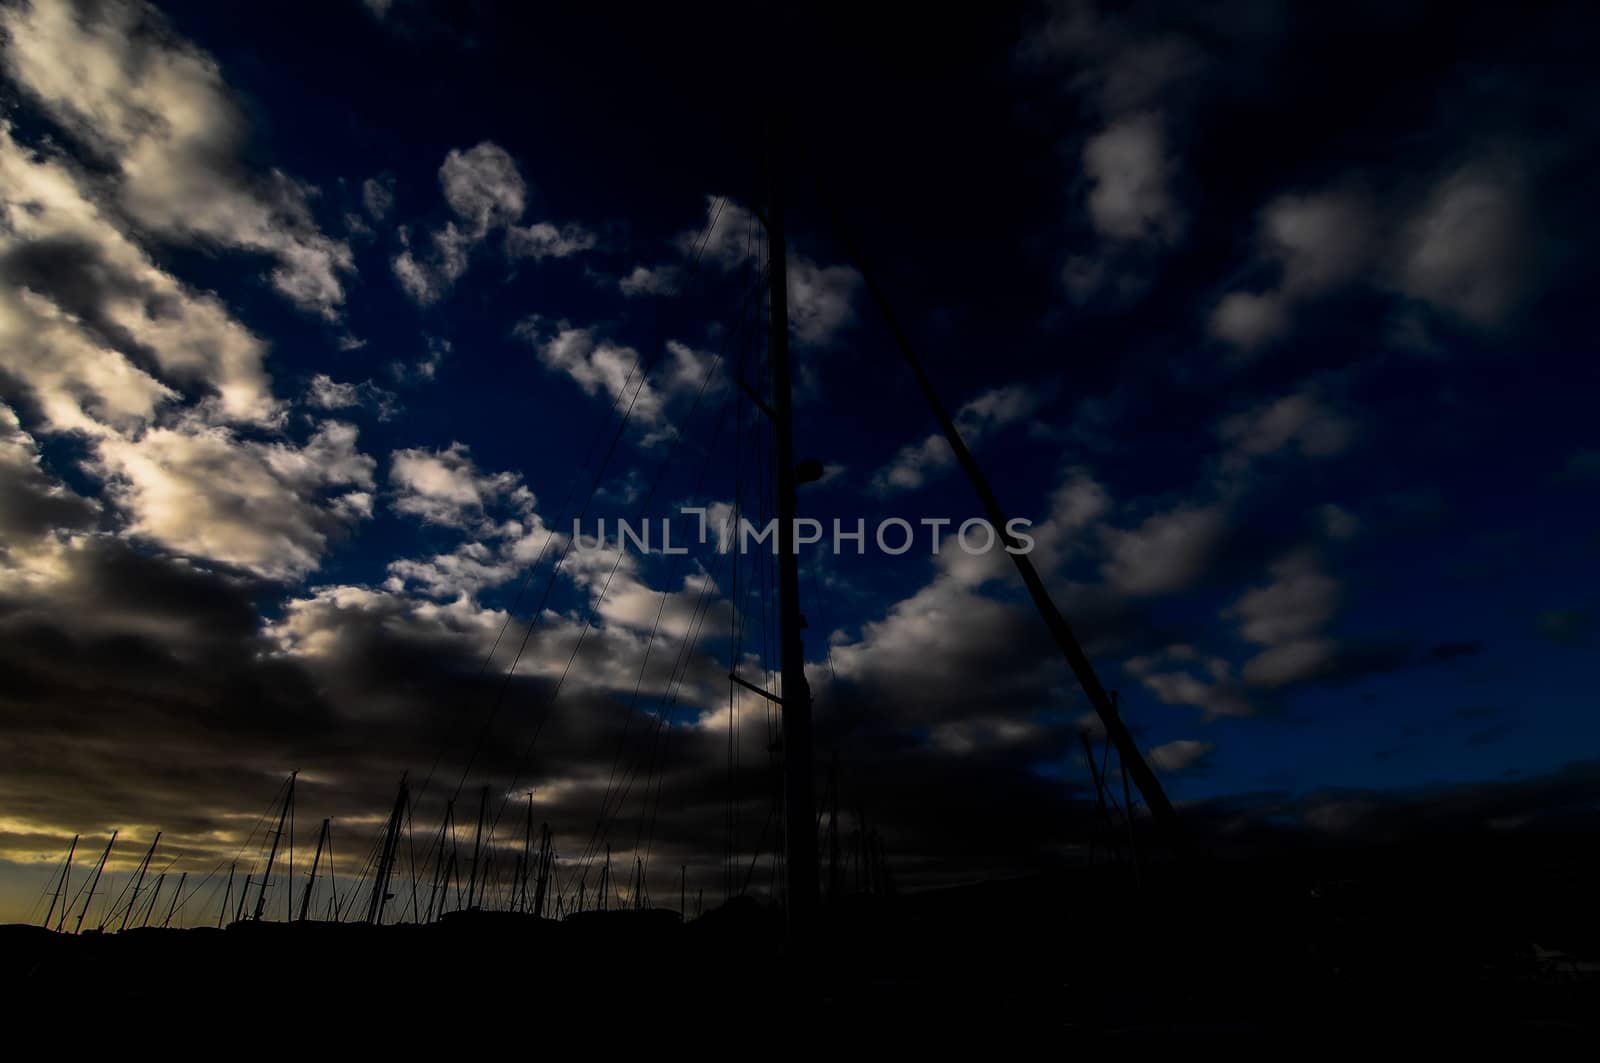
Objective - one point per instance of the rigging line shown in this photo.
(667, 703)
(715, 215)
(672, 574)
(663, 735)
(609, 810)
(643, 508)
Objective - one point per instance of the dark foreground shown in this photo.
(1491, 948)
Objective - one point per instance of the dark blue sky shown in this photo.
(1274, 317)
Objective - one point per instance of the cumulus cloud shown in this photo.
(1459, 250)
(916, 463)
(485, 191)
(1166, 553)
(200, 491)
(821, 298)
(445, 487)
(601, 367)
(1127, 77)
(326, 393)
(1300, 420)
(1288, 617)
(155, 108)
(650, 280)
(1129, 173)
(82, 296)
(1180, 755)
(377, 196)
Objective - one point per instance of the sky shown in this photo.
(320, 322)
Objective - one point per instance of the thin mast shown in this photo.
(1155, 797)
(150, 908)
(139, 881)
(799, 785)
(477, 847)
(527, 854)
(391, 839)
(61, 885)
(277, 838)
(222, 913)
(546, 854)
(98, 868)
(305, 901)
(176, 894)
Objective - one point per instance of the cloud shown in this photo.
(1165, 554)
(85, 310)
(1459, 249)
(268, 508)
(650, 280)
(821, 298)
(1288, 616)
(1131, 85)
(1180, 755)
(445, 487)
(1317, 242)
(325, 393)
(377, 196)
(543, 240)
(485, 191)
(1299, 419)
(32, 503)
(1179, 674)
(1464, 252)
(601, 367)
(1129, 174)
(916, 463)
(155, 108)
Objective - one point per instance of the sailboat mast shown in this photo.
(1161, 810)
(391, 841)
(477, 847)
(61, 884)
(222, 913)
(138, 881)
(98, 868)
(799, 785)
(277, 839)
(305, 901)
(177, 894)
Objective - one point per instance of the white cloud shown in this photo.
(1165, 554)
(601, 367)
(377, 195)
(200, 491)
(1318, 242)
(1129, 174)
(445, 487)
(916, 463)
(1464, 251)
(1299, 419)
(543, 240)
(156, 108)
(486, 192)
(648, 280)
(821, 298)
(52, 222)
(1460, 250)
(325, 393)
(1179, 755)
(1288, 617)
